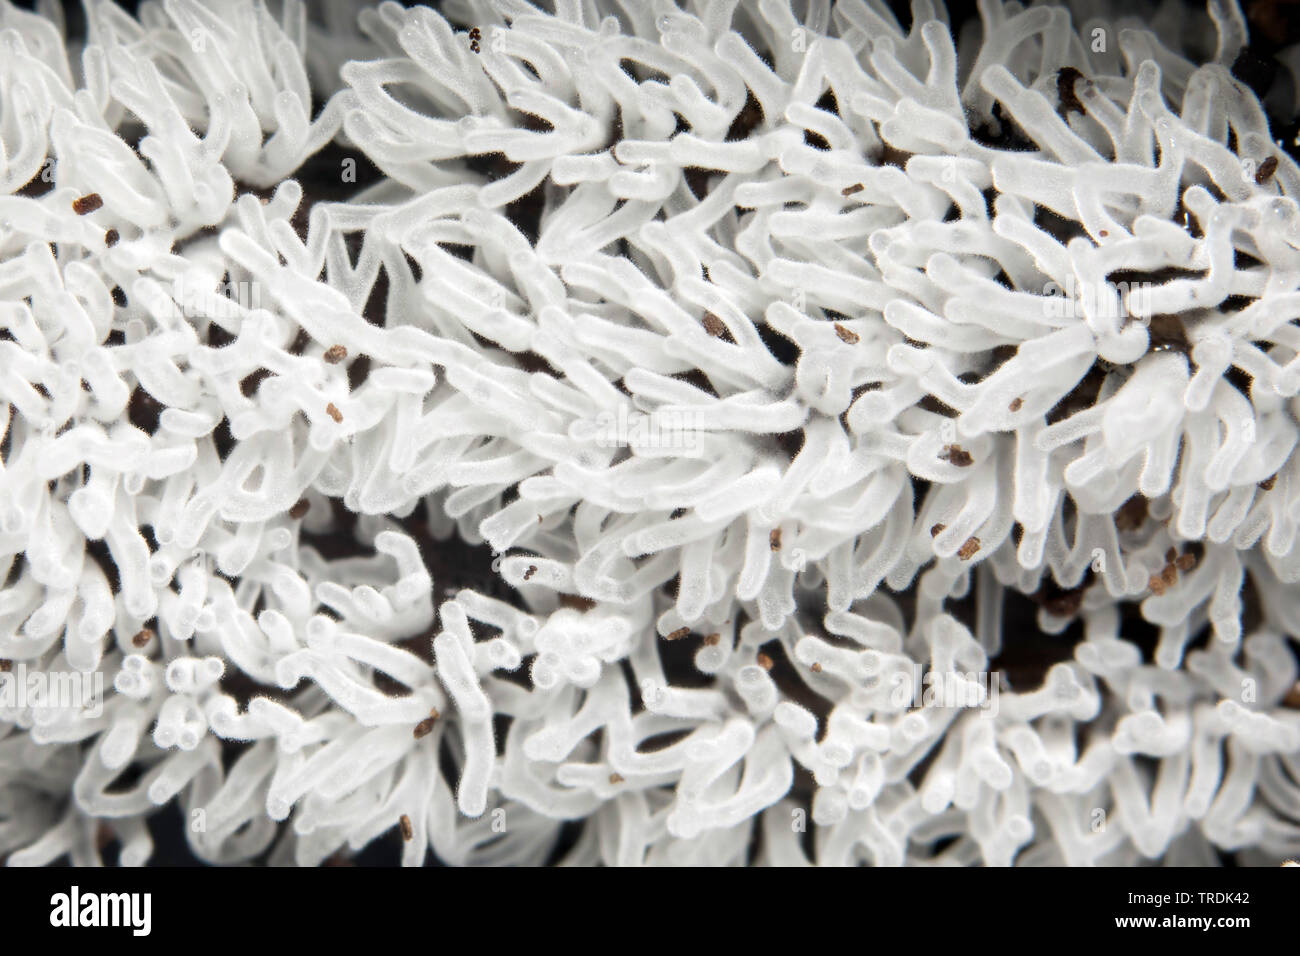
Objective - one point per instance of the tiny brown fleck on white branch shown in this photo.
(87, 204)
(956, 455)
(714, 325)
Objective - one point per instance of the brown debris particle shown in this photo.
(615, 778)
(1185, 562)
(6, 666)
(1015, 405)
(142, 638)
(408, 831)
(850, 190)
(937, 529)
(714, 325)
(424, 727)
(87, 204)
(816, 668)
(764, 661)
(300, 508)
(1156, 584)
(111, 237)
(712, 640)
(956, 455)
(332, 411)
(968, 548)
(1268, 483)
(335, 354)
(532, 569)
(678, 634)
(774, 539)
(1169, 575)
(1266, 170)
(847, 336)
(1170, 555)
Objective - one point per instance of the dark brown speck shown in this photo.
(87, 204)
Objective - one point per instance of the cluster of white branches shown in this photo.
(782, 376)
